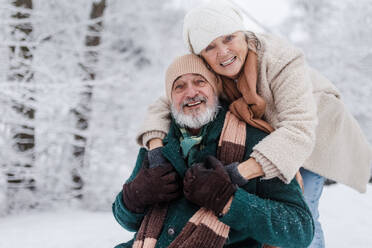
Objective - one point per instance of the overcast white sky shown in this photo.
(267, 12)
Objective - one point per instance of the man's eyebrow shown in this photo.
(176, 79)
(195, 74)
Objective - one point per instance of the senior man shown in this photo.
(191, 192)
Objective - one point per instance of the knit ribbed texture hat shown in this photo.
(204, 24)
(185, 64)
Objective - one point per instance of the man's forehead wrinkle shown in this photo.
(180, 79)
(194, 74)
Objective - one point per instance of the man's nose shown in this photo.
(192, 91)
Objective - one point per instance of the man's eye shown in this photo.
(178, 86)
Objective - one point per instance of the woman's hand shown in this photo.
(250, 169)
(300, 181)
(155, 143)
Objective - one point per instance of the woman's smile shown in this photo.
(228, 61)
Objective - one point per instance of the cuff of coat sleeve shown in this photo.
(146, 137)
(156, 157)
(235, 176)
(238, 211)
(270, 170)
(126, 214)
(129, 220)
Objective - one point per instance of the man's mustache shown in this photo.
(197, 98)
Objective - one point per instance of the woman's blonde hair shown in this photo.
(253, 42)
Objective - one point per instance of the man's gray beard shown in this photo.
(195, 120)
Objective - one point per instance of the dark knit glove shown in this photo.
(235, 176)
(208, 185)
(151, 186)
(156, 157)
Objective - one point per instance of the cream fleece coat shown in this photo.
(312, 126)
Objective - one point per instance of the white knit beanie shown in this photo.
(189, 63)
(204, 24)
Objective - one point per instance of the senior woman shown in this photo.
(266, 78)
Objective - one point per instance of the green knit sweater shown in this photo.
(262, 211)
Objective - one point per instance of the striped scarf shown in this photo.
(246, 104)
(203, 229)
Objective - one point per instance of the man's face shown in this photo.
(194, 102)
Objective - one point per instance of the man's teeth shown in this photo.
(229, 61)
(193, 104)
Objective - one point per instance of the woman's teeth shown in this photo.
(228, 62)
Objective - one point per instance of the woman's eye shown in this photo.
(229, 38)
(208, 48)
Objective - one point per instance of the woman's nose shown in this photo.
(222, 50)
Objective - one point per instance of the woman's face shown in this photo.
(226, 54)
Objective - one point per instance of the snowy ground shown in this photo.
(346, 216)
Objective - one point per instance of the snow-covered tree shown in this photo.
(76, 78)
(95, 63)
(18, 100)
(139, 40)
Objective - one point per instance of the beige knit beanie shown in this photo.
(189, 63)
(204, 24)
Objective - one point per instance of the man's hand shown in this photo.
(151, 186)
(208, 185)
